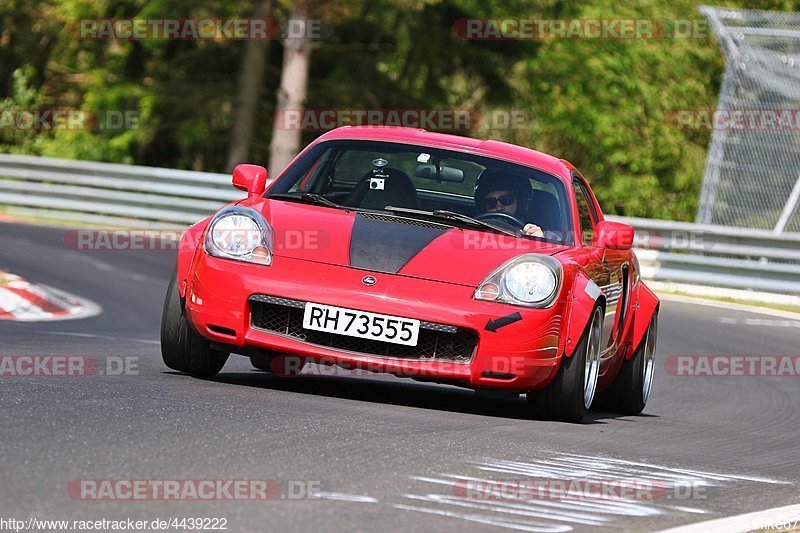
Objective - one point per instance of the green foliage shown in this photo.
(23, 97)
(605, 105)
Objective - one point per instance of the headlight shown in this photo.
(531, 280)
(241, 234)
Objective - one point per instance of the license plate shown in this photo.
(361, 324)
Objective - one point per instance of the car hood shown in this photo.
(378, 242)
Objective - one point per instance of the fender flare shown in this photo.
(647, 305)
(189, 246)
(583, 299)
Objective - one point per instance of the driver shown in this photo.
(497, 192)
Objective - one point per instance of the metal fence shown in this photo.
(752, 177)
(121, 195)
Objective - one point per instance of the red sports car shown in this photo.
(424, 255)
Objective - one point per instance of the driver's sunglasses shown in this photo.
(506, 200)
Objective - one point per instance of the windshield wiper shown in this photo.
(308, 197)
(451, 216)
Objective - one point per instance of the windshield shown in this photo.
(375, 175)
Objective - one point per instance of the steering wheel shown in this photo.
(502, 218)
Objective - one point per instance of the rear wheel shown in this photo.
(181, 348)
(629, 392)
(569, 396)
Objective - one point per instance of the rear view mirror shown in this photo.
(449, 174)
(613, 235)
(250, 178)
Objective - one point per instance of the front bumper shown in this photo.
(520, 356)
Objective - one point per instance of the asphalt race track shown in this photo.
(378, 453)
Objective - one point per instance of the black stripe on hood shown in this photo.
(384, 246)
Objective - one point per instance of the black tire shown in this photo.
(629, 392)
(181, 348)
(261, 362)
(564, 398)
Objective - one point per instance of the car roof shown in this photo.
(489, 148)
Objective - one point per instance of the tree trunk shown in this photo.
(292, 93)
(251, 79)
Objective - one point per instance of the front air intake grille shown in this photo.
(439, 342)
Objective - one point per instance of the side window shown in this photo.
(584, 213)
(312, 179)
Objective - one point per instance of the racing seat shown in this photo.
(398, 191)
(545, 211)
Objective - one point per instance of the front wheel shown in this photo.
(181, 348)
(629, 392)
(570, 394)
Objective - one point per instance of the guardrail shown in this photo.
(136, 196)
(703, 254)
(107, 193)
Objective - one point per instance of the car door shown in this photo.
(608, 271)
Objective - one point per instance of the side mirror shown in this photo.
(250, 178)
(614, 235)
